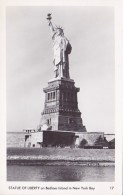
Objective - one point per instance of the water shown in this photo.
(60, 173)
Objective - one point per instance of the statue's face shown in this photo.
(59, 31)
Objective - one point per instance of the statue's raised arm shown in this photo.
(61, 48)
(51, 28)
(50, 23)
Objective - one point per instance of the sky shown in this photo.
(29, 63)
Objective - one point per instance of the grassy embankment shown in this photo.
(48, 156)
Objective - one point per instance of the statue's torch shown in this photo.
(49, 17)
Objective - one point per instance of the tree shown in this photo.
(100, 141)
(83, 143)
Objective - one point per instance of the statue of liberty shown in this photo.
(61, 50)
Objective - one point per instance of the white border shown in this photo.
(101, 187)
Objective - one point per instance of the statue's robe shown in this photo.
(61, 49)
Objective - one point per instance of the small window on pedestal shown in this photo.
(48, 96)
(54, 95)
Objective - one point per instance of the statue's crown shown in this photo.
(59, 27)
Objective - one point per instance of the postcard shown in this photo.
(61, 97)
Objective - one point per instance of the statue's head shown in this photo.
(59, 31)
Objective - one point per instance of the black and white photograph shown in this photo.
(61, 97)
(60, 93)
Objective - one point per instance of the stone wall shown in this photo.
(15, 139)
(18, 139)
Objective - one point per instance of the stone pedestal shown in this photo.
(61, 107)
